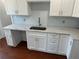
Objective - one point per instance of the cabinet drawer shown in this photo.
(54, 36)
(51, 40)
(64, 36)
(52, 47)
(38, 0)
(37, 33)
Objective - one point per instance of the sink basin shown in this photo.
(38, 28)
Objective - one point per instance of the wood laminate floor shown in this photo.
(21, 52)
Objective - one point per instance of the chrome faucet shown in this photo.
(39, 23)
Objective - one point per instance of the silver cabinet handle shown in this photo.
(24, 19)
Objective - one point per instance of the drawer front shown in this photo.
(64, 36)
(52, 47)
(54, 36)
(51, 40)
(37, 33)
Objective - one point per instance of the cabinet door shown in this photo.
(36, 41)
(40, 43)
(55, 6)
(61, 7)
(23, 7)
(31, 41)
(76, 9)
(67, 7)
(11, 6)
(63, 44)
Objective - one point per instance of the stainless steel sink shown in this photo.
(38, 28)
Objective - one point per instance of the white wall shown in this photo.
(41, 10)
(0, 29)
(4, 19)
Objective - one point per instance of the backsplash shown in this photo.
(63, 21)
(31, 20)
(46, 21)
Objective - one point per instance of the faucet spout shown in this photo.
(39, 23)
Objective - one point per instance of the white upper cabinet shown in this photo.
(61, 7)
(55, 7)
(67, 7)
(17, 7)
(23, 7)
(38, 0)
(76, 9)
(11, 7)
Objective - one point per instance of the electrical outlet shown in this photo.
(63, 21)
(24, 19)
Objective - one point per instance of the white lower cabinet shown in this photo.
(36, 41)
(48, 42)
